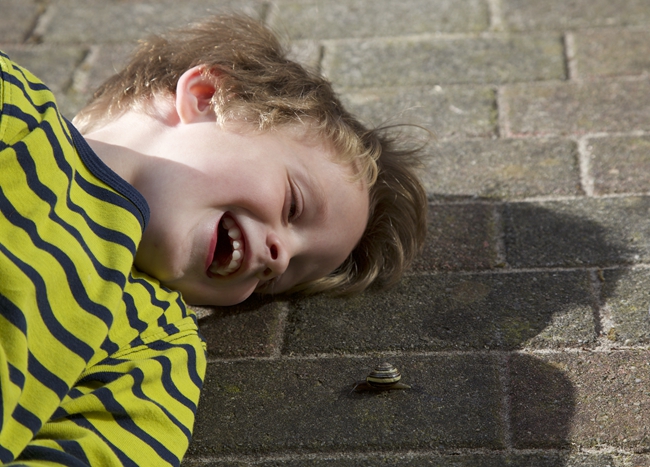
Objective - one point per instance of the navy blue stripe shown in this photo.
(13, 314)
(191, 365)
(151, 291)
(181, 305)
(2, 412)
(27, 419)
(113, 236)
(41, 109)
(34, 453)
(74, 448)
(132, 313)
(106, 378)
(46, 377)
(56, 329)
(58, 414)
(191, 359)
(16, 376)
(169, 385)
(109, 346)
(6, 455)
(74, 282)
(36, 86)
(139, 377)
(17, 112)
(81, 421)
(105, 396)
(162, 321)
(57, 151)
(46, 194)
(104, 173)
(101, 231)
(109, 197)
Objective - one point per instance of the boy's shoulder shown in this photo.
(24, 99)
(65, 215)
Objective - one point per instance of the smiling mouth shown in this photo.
(229, 250)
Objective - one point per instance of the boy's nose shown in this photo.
(277, 259)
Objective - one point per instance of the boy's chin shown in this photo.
(217, 297)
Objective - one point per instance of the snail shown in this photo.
(383, 378)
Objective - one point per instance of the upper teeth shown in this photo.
(237, 254)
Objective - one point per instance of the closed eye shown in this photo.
(292, 208)
(295, 204)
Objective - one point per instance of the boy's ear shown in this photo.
(194, 93)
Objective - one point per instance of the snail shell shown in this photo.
(383, 378)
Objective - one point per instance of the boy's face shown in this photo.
(237, 212)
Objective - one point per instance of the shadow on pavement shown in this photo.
(547, 297)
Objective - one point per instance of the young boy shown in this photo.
(211, 166)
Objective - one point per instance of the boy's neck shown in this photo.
(122, 143)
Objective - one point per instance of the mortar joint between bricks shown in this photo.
(268, 9)
(35, 33)
(504, 378)
(81, 75)
(587, 182)
(570, 56)
(280, 331)
(496, 15)
(501, 107)
(597, 278)
(501, 257)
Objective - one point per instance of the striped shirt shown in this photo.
(99, 364)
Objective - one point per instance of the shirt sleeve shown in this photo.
(136, 408)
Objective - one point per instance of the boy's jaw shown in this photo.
(227, 248)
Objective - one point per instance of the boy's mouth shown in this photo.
(229, 250)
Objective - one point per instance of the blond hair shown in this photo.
(260, 86)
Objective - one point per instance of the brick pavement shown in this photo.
(524, 328)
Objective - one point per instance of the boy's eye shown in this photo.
(294, 208)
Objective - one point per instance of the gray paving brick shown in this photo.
(449, 311)
(502, 168)
(640, 461)
(460, 237)
(620, 164)
(483, 332)
(542, 403)
(53, 65)
(449, 111)
(488, 459)
(306, 405)
(418, 61)
(100, 63)
(627, 298)
(17, 20)
(106, 60)
(326, 19)
(585, 398)
(560, 14)
(306, 52)
(117, 21)
(246, 330)
(581, 232)
(578, 108)
(612, 52)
